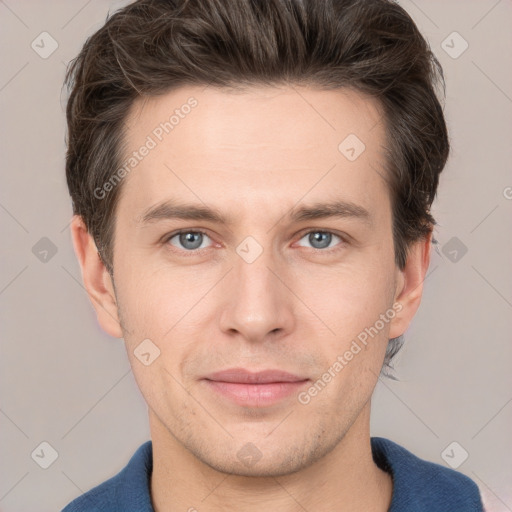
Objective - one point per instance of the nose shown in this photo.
(258, 302)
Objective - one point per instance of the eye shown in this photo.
(321, 239)
(194, 240)
(188, 240)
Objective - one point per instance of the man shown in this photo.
(251, 186)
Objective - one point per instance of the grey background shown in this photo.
(64, 381)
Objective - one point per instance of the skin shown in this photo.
(257, 155)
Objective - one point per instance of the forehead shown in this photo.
(253, 115)
(255, 146)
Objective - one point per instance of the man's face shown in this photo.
(264, 291)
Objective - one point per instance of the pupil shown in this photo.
(318, 235)
(189, 238)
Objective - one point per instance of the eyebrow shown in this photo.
(174, 210)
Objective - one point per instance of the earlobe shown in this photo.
(96, 279)
(409, 288)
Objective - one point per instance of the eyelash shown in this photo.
(195, 252)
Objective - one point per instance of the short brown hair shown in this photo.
(153, 46)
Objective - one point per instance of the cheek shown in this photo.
(153, 309)
(350, 298)
(164, 304)
(146, 302)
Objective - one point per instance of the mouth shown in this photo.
(254, 389)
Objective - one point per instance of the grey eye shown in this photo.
(320, 239)
(189, 240)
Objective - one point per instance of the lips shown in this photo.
(255, 389)
(243, 376)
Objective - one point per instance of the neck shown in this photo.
(346, 479)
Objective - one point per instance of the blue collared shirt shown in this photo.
(418, 485)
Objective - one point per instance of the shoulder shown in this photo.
(97, 499)
(128, 490)
(420, 485)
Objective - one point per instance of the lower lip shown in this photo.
(256, 395)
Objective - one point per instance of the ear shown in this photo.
(410, 286)
(97, 280)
